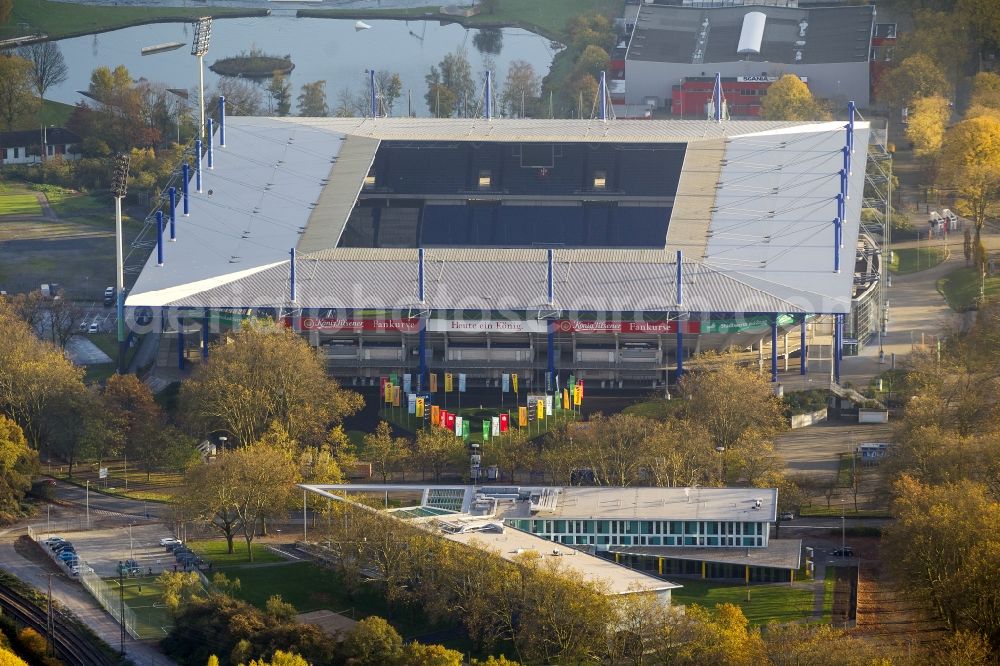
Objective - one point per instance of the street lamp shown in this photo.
(199, 47)
(722, 469)
(119, 186)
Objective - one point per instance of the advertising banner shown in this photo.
(352, 325)
(505, 382)
(411, 403)
(626, 327)
(486, 326)
(496, 426)
(407, 382)
(435, 415)
(461, 382)
(433, 383)
(504, 422)
(449, 384)
(522, 416)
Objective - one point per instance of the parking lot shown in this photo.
(104, 549)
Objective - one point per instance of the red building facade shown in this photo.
(742, 95)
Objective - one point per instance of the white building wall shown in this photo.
(846, 80)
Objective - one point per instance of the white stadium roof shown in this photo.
(753, 215)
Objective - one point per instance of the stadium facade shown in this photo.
(611, 250)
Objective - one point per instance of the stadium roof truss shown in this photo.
(752, 214)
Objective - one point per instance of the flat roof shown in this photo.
(779, 554)
(753, 216)
(696, 35)
(598, 502)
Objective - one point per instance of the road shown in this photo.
(108, 504)
(815, 451)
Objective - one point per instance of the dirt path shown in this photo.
(47, 212)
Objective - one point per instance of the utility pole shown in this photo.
(88, 504)
(121, 606)
(199, 47)
(50, 622)
(119, 186)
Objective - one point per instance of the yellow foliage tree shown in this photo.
(789, 98)
(970, 165)
(280, 658)
(914, 77)
(8, 658)
(927, 121)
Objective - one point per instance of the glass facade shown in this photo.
(694, 533)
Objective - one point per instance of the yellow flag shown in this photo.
(435, 415)
(434, 382)
(448, 383)
(578, 394)
(565, 398)
(395, 396)
(420, 408)
(388, 394)
(513, 380)
(540, 410)
(522, 416)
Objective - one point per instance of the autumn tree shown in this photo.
(373, 642)
(970, 165)
(450, 87)
(243, 97)
(511, 452)
(210, 497)
(389, 86)
(48, 68)
(18, 463)
(136, 418)
(386, 453)
(914, 77)
(521, 89)
(260, 374)
(15, 89)
(928, 119)
(6, 9)
(944, 540)
(312, 100)
(789, 98)
(263, 477)
(985, 91)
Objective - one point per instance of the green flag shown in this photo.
(466, 427)
(486, 430)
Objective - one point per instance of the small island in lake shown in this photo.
(253, 65)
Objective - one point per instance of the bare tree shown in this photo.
(48, 68)
(64, 315)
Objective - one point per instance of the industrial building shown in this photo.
(671, 49)
(611, 250)
(720, 533)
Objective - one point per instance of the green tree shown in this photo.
(789, 98)
(925, 129)
(373, 642)
(592, 60)
(263, 479)
(985, 90)
(279, 610)
(390, 87)
(18, 463)
(136, 419)
(15, 89)
(420, 654)
(280, 91)
(438, 449)
(521, 89)
(179, 590)
(914, 77)
(249, 385)
(970, 164)
(386, 453)
(312, 100)
(280, 658)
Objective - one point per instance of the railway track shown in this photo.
(71, 644)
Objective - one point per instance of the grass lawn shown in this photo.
(961, 287)
(398, 417)
(820, 510)
(779, 601)
(57, 19)
(844, 469)
(547, 18)
(160, 486)
(911, 260)
(829, 582)
(309, 587)
(19, 203)
(144, 596)
(214, 551)
(655, 408)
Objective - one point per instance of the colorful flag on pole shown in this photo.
(450, 421)
(407, 382)
(387, 387)
(435, 415)
(513, 380)
(466, 428)
(448, 383)
(420, 408)
(458, 426)
(505, 382)
(394, 379)
(411, 403)
(395, 396)
(578, 394)
(383, 380)
(522, 416)
(504, 422)
(461, 382)
(433, 383)
(548, 405)
(540, 409)
(565, 398)
(496, 426)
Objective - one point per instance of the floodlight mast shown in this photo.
(199, 47)
(119, 186)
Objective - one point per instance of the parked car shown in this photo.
(109, 296)
(94, 327)
(166, 541)
(846, 551)
(76, 569)
(68, 556)
(786, 515)
(62, 545)
(53, 540)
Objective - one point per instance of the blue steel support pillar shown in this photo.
(837, 334)
(159, 238)
(222, 121)
(211, 140)
(197, 165)
(204, 329)
(551, 382)
(774, 348)
(803, 350)
(680, 349)
(185, 176)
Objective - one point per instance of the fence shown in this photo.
(108, 597)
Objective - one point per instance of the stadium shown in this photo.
(613, 250)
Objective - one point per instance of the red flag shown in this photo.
(444, 418)
(451, 421)
(504, 422)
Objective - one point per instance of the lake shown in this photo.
(327, 49)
